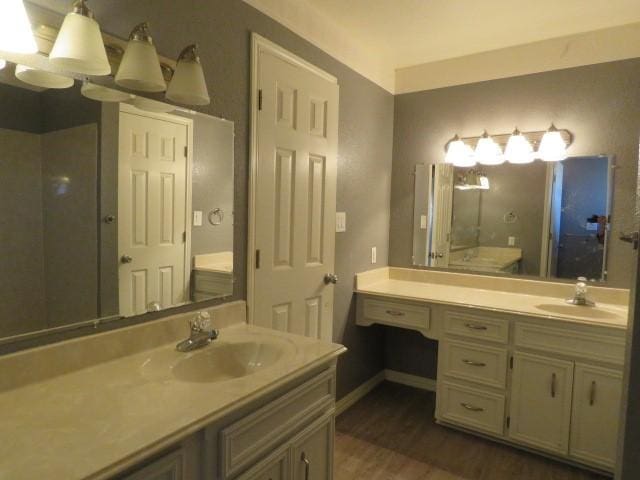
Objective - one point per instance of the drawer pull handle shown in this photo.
(472, 408)
(307, 465)
(475, 326)
(592, 393)
(473, 363)
(395, 313)
(553, 385)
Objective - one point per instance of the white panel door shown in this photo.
(595, 417)
(540, 408)
(442, 209)
(295, 199)
(152, 186)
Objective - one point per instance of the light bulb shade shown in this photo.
(3, 64)
(42, 78)
(79, 47)
(103, 94)
(518, 149)
(188, 85)
(140, 68)
(459, 154)
(488, 152)
(552, 147)
(15, 29)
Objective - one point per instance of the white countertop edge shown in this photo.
(165, 442)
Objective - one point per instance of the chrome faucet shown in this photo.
(202, 334)
(580, 295)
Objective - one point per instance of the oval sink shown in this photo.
(578, 311)
(232, 356)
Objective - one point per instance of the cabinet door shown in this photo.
(275, 467)
(596, 408)
(540, 408)
(169, 467)
(312, 451)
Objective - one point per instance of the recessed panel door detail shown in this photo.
(152, 188)
(295, 199)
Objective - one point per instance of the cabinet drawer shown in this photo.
(251, 438)
(478, 326)
(472, 408)
(398, 313)
(475, 363)
(573, 340)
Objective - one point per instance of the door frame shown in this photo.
(127, 108)
(260, 46)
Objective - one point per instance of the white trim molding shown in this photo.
(423, 383)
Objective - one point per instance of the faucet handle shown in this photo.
(201, 322)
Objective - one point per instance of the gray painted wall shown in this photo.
(600, 104)
(223, 28)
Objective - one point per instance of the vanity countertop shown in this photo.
(99, 420)
(532, 298)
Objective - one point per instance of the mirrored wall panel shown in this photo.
(108, 209)
(548, 219)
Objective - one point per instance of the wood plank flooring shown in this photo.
(390, 435)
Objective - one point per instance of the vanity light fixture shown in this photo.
(519, 149)
(552, 146)
(459, 154)
(42, 78)
(103, 94)
(488, 152)
(16, 35)
(188, 85)
(79, 46)
(140, 67)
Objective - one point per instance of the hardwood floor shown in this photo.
(390, 435)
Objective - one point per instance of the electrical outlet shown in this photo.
(374, 255)
(341, 222)
(197, 218)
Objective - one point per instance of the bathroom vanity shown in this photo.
(515, 362)
(254, 404)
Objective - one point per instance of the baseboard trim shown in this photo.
(356, 394)
(410, 380)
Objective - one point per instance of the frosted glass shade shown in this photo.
(42, 78)
(488, 152)
(16, 35)
(188, 85)
(103, 94)
(3, 64)
(140, 68)
(552, 147)
(79, 47)
(459, 154)
(518, 149)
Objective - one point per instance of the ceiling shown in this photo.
(411, 32)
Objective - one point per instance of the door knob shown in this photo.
(126, 259)
(330, 278)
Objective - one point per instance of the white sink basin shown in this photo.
(596, 313)
(234, 355)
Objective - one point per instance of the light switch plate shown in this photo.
(374, 254)
(197, 218)
(423, 222)
(341, 222)
(512, 241)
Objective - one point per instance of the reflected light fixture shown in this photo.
(188, 85)
(42, 78)
(459, 154)
(79, 46)
(140, 67)
(552, 146)
(3, 63)
(16, 35)
(103, 94)
(488, 152)
(518, 149)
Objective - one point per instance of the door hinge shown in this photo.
(511, 363)
(508, 422)
(184, 237)
(257, 259)
(186, 151)
(259, 99)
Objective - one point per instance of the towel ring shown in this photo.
(216, 216)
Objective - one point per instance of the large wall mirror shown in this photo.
(108, 210)
(546, 219)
